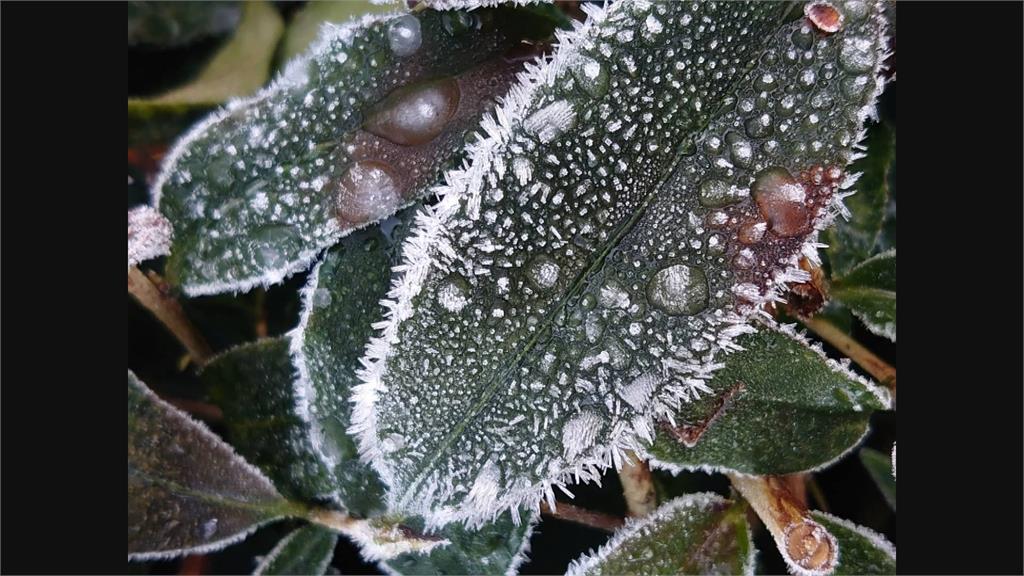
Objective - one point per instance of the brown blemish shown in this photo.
(824, 17)
(808, 298)
(810, 546)
(689, 434)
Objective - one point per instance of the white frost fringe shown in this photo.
(427, 244)
(591, 560)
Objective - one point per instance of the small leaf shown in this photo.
(780, 407)
(254, 386)
(869, 290)
(852, 240)
(861, 551)
(351, 131)
(879, 466)
(306, 23)
(170, 24)
(340, 306)
(306, 550)
(496, 548)
(188, 492)
(694, 534)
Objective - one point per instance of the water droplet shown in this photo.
(588, 302)
(543, 272)
(758, 126)
(415, 114)
(716, 244)
(613, 295)
(806, 79)
(855, 10)
(802, 37)
(679, 289)
(717, 193)
(274, 242)
(856, 56)
(208, 529)
(824, 16)
(404, 35)
(453, 293)
(367, 191)
(782, 201)
(765, 81)
(592, 77)
(855, 86)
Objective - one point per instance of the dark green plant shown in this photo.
(538, 245)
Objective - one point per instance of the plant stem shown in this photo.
(879, 369)
(637, 486)
(582, 516)
(155, 295)
(803, 543)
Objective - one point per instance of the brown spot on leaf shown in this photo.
(689, 434)
(824, 17)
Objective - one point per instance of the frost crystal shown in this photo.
(149, 235)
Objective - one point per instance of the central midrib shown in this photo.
(576, 287)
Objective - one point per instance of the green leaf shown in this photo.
(861, 551)
(254, 386)
(879, 466)
(582, 275)
(869, 290)
(188, 492)
(306, 23)
(694, 534)
(780, 406)
(169, 24)
(340, 139)
(852, 240)
(306, 550)
(238, 69)
(496, 548)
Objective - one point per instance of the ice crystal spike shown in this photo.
(494, 366)
(261, 187)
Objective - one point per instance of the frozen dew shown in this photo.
(322, 298)
(367, 191)
(679, 290)
(856, 55)
(404, 35)
(613, 295)
(782, 200)
(824, 16)
(149, 234)
(591, 76)
(543, 272)
(855, 10)
(453, 293)
(717, 193)
(207, 529)
(393, 442)
(417, 114)
(580, 433)
(551, 121)
(653, 25)
(752, 232)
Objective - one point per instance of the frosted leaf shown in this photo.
(149, 235)
(254, 386)
(471, 391)
(350, 132)
(475, 4)
(306, 550)
(188, 492)
(779, 406)
(861, 550)
(694, 534)
(869, 290)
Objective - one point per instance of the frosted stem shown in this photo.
(154, 295)
(637, 486)
(879, 369)
(807, 546)
(582, 516)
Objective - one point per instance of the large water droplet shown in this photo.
(717, 193)
(367, 191)
(824, 16)
(457, 22)
(679, 289)
(404, 35)
(415, 114)
(543, 272)
(453, 293)
(782, 201)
